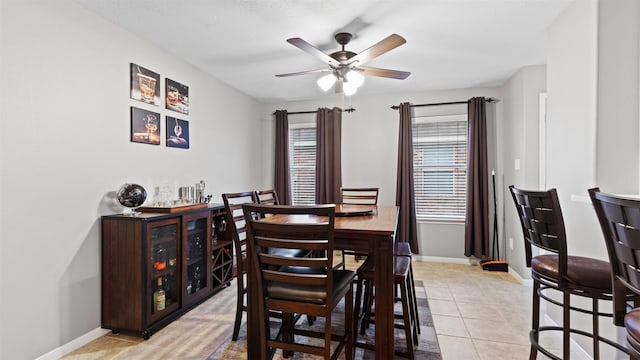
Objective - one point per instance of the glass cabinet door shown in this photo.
(197, 275)
(163, 248)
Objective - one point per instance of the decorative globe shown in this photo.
(131, 195)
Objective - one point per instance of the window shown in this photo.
(302, 162)
(440, 166)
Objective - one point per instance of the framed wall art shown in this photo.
(177, 96)
(145, 126)
(177, 133)
(145, 85)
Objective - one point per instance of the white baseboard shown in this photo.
(515, 275)
(74, 344)
(463, 261)
(574, 344)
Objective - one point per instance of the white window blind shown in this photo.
(302, 163)
(440, 166)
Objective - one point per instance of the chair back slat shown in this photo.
(542, 222)
(313, 229)
(620, 223)
(276, 260)
(294, 278)
(359, 196)
(268, 197)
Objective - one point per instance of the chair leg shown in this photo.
(358, 306)
(535, 320)
(406, 315)
(596, 331)
(239, 306)
(287, 332)
(566, 324)
(412, 288)
(367, 306)
(412, 310)
(349, 347)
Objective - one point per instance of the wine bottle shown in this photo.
(159, 298)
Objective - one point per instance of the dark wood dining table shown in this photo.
(372, 233)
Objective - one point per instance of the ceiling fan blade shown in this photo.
(304, 72)
(310, 49)
(373, 71)
(338, 86)
(389, 43)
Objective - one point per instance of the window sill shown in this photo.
(447, 221)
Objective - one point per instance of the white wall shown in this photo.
(64, 149)
(617, 163)
(520, 142)
(592, 119)
(369, 149)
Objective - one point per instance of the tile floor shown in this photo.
(477, 315)
(480, 314)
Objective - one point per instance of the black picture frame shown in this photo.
(177, 133)
(144, 85)
(145, 126)
(176, 96)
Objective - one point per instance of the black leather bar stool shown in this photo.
(543, 227)
(620, 223)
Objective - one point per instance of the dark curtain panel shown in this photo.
(282, 178)
(476, 229)
(405, 197)
(328, 155)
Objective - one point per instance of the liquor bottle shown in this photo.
(168, 290)
(159, 298)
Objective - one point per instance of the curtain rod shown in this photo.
(349, 109)
(396, 107)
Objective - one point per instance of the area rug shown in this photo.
(427, 348)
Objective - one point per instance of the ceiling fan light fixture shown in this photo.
(355, 78)
(326, 82)
(349, 88)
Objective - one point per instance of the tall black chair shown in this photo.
(543, 227)
(298, 285)
(620, 222)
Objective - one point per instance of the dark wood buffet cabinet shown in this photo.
(158, 266)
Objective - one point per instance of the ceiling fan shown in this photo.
(346, 67)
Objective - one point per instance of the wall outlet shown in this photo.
(511, 243)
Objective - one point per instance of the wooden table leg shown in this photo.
(384, 299)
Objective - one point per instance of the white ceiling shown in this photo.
(450, 43)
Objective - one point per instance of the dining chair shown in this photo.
(555, 270)
(619, 219)
(268, 197)
(359, 195)
(300, 285)
(401, 278)
(356, 196)
(237, 225)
